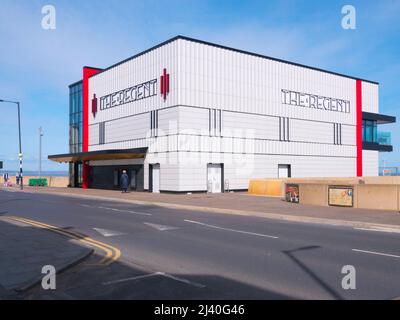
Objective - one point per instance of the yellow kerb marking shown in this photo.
(112, 253)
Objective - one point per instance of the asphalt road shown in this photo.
(177, 254)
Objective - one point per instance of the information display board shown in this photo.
(341, 196)
(292, 193)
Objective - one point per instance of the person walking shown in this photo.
(17, 178)
(124, 181)
(5, 179)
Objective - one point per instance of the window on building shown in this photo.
(369, 131)
(75, 118)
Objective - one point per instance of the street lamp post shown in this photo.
(40, 152)
(20, 144)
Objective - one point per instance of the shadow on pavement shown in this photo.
(318, 280)
(89, 280)
(26, 249)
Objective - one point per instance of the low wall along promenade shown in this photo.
(381, 193)
(52, 181)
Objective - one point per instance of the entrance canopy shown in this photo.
(100, 155)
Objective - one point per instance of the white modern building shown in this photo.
(188, 115)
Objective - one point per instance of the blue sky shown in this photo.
(36, 65)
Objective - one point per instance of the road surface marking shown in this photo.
(108, 233)
(160, 227)
(132, 278)
(87, 206)
(377, 253)
(123, 210)
(380, 229)
(112, 253)
(191, 283)
(233, 230)
(162, 274)
(75, 236)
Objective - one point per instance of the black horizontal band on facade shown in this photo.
(232, 111)
(259, 154)
(226, 137)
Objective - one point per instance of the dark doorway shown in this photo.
(108, 177)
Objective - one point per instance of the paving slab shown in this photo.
(26, 249)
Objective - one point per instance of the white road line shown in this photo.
(160, 227)
(191, 283)
(163, 274)
(379, 229)
(140, 213)
(108, 233)
(377, 253)
(128, 211)
(233, 230)
(133, 278)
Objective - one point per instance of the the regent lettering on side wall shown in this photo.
(306, 100)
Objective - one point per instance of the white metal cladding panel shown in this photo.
(349, 135)
(250, 125)
(370, 163)
(193, 177)
(94, 134)
(194, 143)
(187, 171)
(168, 121)
(141, 69)
(370, 97)
(178, 173)
(296, 148)
(311, 131)
(169, 170)
(169, 176)
(129, 128)
(139, 143)
(193, 120)
(116, 162)
(227, 144)
(266, 166)
(162, 144)
(224, 79)
(188, 142)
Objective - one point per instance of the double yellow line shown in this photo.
(111, 253)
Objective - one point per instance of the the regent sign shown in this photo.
(306, 100)
(131, 94)
(134, 93)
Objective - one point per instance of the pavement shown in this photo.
(26, 249)
(242, 203)
(171, 253)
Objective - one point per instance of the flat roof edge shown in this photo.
(235, 50)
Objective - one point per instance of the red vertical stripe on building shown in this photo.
(359, 127)
(162, 85)
(87, 72)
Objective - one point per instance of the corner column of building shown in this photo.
(87, 73)
(359, 163)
